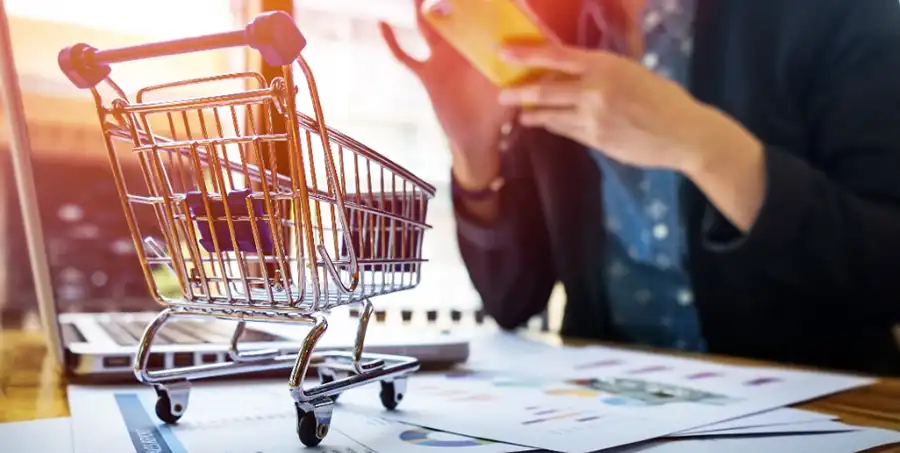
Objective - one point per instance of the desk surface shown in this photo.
(31, 388)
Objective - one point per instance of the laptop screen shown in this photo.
(91, 255)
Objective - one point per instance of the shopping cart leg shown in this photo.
(173, 385)
(361, 329)
(355, 368)
(330, 370)
(172, 397)
(236, 355)
(314, 408)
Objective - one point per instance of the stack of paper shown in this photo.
(513, 396)
(593, 398)
(259, 418)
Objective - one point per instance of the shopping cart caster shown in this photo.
(392, 393)
(172, 401)
(314, 421)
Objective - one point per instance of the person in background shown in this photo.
(715, 176)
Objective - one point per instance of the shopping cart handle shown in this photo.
(274, 34)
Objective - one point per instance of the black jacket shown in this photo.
(817, 279)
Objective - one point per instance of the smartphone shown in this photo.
(478, 28)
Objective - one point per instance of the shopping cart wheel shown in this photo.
(309, 428)
(392, 393)
(171, 402)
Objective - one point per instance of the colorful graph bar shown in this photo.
(649, 369)
(543, 415)
(463, 374)
(588, 418)
(598, 364)
(473, 398)
(704, 375)
(551, 418)
(762, 381)
(577, 392)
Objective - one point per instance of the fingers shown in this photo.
(390, 38)
(544, 94)
(429, 34)
(567, 123)
(551, 57)
(553, 118)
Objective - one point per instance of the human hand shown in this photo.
(613, 104)
(464, 101)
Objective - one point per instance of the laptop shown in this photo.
(100, 347)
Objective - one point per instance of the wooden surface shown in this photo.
(31, 388)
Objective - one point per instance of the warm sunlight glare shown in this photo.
(159, 18)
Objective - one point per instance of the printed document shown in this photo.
(580, 400)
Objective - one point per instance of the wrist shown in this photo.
(718, 145)
(731, 172)
(475, 191)
(734, 180)
(477, 194)
(475, 171)
(473, 178)
(478, 167)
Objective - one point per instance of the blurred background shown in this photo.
(365, 94)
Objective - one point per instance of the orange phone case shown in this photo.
(477, 29)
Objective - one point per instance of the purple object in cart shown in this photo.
(371, 239)
(243, 231)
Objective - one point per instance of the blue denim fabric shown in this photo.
(649, 293)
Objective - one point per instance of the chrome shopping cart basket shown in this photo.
(245, 240)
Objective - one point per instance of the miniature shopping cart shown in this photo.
(244, 239)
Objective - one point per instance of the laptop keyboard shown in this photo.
(185, 331)
(70, 333)
(127, 332)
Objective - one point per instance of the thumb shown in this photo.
(390, 38)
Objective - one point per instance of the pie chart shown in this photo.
(428, 438)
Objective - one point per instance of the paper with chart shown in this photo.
(593, 399)
(240, 418)
(220, 415)
(258, 417)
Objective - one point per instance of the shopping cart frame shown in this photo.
(276, 36)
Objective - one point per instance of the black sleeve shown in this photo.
(837, 224)
(509, 261)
